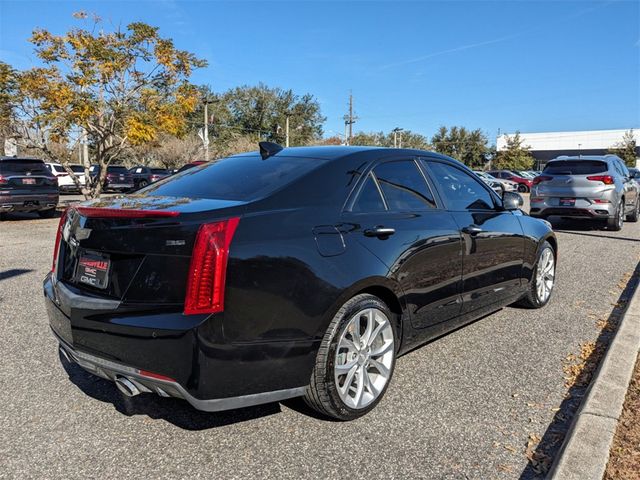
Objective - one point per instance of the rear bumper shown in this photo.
(28, 203)
(583, 208)
(189, 353)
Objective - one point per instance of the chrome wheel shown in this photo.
(545, 275)
(364, 357)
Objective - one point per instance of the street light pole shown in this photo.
(205, 140)
(286, 129)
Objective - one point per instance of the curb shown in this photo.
(585, 451)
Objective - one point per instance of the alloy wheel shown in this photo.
(364, 357)
(545, 275)
(621, 214)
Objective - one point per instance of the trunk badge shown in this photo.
(175, 243)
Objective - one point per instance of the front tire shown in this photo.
(542, 280)
(355, 361)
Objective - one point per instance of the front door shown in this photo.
(493, 240)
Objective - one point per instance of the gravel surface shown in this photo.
(464, 406)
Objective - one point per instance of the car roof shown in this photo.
(602, 158)
(31, 159)
(335, 152)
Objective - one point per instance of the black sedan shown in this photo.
(288, 272)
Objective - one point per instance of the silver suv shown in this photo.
(595, 187)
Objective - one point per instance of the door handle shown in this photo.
(472, 230)
(379, 231)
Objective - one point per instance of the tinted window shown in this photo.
(575, 167)
(161, 171)
(24, 167)
(403, 186)
(236, 178)
(461, 190)
(369, 199)
(77, 168)
(117, 169)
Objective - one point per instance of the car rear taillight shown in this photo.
(56, 247)
(600, 200)
(3, 180)
(541, 178)
(208, 270)
(606, 179)
(97, 212)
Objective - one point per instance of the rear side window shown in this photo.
(369, 199)
(23, 167)
(403, 186)
(576, 167)
(241, 178)
(460, 190)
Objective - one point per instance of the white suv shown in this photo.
(65, 182)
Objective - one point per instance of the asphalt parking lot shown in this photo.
(471, 405)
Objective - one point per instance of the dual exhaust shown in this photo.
(127, 387)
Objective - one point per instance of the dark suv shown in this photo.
(143, 176)
(27, 186)
(118, 178)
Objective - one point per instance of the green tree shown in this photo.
(468, 146)
(515, 155)
(404, 139)
(626, 149)
(120, 89)
(8, 87)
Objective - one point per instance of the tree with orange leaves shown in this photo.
(112, 89)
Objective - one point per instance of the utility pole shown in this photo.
(205, 135)
(349, 120)
(286, 130)
(397, 131)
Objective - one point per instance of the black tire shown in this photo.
(616, 222)
(47, 213)
(522, 188)
(322, 394)
(3, 216)
(633, 216)
(143, 183)
(531, 298)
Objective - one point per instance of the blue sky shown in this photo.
(520, 65)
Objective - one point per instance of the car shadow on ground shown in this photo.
(175, 411)
(19, 216)
(14, 272)
(542, 457)
(587, 228)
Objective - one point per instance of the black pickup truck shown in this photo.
(27, 186)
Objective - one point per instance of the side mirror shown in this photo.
(512, 201)
(634, 175)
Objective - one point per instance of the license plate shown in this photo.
(567, 202)
(28, 181)
(93, 270)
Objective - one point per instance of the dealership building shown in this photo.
(547, 145)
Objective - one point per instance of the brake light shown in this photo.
(97, 212)
(208, 270)
(56, 247)
(3, 180)
(600, 200)
(606, 179)
(541, 178)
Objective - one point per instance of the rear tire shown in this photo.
(353, 359)
(47, 213)
(143, 183)
(633, 216)
(522, 188)
(542, 279)
(616, 222)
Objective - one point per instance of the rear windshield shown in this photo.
(158, 170)
(116, 169)
(23, 167)
(77, 168)
(575, 167)
(235, 178)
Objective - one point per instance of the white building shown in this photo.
(547, 145)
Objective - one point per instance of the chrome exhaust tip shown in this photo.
(65, 355)
(126, 386)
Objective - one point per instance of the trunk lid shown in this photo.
(139, 247)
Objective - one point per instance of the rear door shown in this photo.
(493, 240)
(397, 217)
